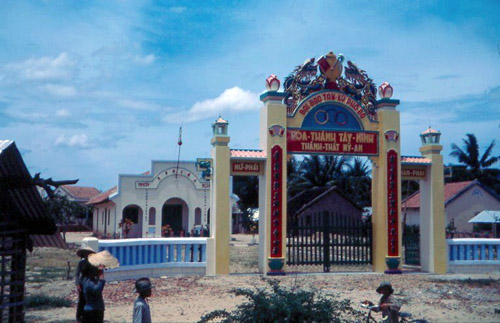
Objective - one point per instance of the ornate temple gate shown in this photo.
(322, 112)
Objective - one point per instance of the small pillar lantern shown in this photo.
(220, 127)
(430, 137)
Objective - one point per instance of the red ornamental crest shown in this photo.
(276, 130)
(391, 135)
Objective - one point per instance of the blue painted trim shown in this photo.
(331, 91)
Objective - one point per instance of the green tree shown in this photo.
(321, 171)
(469, 155)
(356, 181)
(474, 165)
(63, 211)
(247, 189)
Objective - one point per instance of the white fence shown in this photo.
(473, 255)
(154, 257)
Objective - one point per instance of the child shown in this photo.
(388, 305)
(141, 306)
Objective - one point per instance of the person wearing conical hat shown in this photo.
(93, 285)
(83, 253)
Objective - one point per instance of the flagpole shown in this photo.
(179, 143)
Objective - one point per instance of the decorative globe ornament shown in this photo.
(331, 66)
(385, 90)
(273, 83)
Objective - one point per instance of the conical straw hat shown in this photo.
(103, 258)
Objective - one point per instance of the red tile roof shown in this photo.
(248, 153)
(450, 191)
(103, 197)
(82, 192)
(415, 160)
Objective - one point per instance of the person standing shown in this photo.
(83, 253)
(93, 285)
(142, 313)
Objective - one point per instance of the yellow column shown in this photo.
(389, 121)
(432, 213)
(273, 134)
(218, 243)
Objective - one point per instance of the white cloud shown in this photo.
(60, 67)
(60, 90)
(234, 99)
(63, 113)
(144, 60)
(137, 105)
(80, 140)
(177, 9)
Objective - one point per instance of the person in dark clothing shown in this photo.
(142, 313)
(388, 305)
(92, 285)
(83, 253)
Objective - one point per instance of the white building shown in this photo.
(171, 194)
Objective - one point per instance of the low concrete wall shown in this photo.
(474, 269)
(153, 257)
(153, 272)
(473, 256)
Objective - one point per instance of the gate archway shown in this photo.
(321, 112)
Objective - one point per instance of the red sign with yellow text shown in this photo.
(332, 142)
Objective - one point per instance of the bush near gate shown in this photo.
(280, 304)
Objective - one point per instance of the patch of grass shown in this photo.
(244, 259)
(45, 301)
(52, 257)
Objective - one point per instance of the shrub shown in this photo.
(281, 304)
(40, 300)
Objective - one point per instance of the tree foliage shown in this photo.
(279, 304)
(474, 165)
(469, 155)
(247, 189)
(63, 211)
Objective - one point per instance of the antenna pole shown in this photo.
(179, 143)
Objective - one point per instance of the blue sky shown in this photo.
(93, 89)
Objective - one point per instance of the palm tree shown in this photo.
(469, 156)
(320, 171)
(356, 182)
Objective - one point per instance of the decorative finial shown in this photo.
(385, 90)
(273, 83)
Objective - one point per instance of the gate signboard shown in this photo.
(332, 142)
(412, 172)
(246, 168)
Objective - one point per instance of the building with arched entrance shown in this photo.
(170, 200)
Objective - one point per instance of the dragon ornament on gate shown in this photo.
(326, 73)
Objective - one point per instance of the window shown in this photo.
(152, 216)
(197, 216)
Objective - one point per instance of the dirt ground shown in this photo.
(437, 298)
